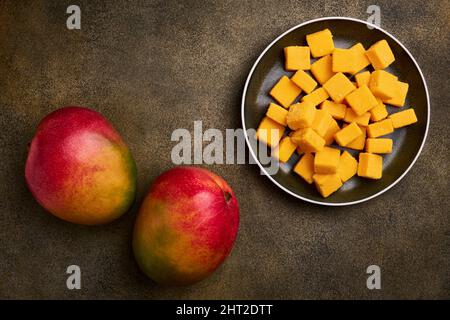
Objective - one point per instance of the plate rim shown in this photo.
(334, 204)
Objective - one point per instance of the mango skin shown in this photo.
(186, 226)
(79, 169)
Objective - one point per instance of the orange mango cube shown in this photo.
(379, 145)
(362, 78)
(322, 122)
(343, 60)
(403, 118)
(380, 128)
(297, 58)
(360, 59)
(285, 149)
(348, 166)
(304, 81)
(321, 43)
(337, 110)
(359, 142)
(301, 115)
(338, 87)
(277, 113)
(327, 184)
(383, 84)
(380, 55)
(332, 129)
(305, 167)
(379, 112)
(316, 97)
(270, 132)
(370, 165)
(327, 160)
(400, 92)
(361, 100)
(322, 69)
(308, 140)
(351, 116)
(346, 135)
(285, 91)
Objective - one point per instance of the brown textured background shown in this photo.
(153, 66)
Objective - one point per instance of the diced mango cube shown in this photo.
(380, 128)
(304, 81)
(308, 140)
(361, 61)
(322, 122)
(359, 142)
(326, 184)
(403, 118)
(301, 115)
(346, 135)
(277, 113)
(370, 165)
(347, 166)
(337, 110)
(383, 84)
(285, 91)
(362, 78)
(332, 129)
(379, 112)
(351, 116)
(380, 55)
(321, 43)
(322, 69)
(305, 167)
(327, 160)
(338, 86)
(400, 92)
(361, 100)
(379, 145)
(297, 58)
(270, 132)
(316, 97)
(343, 60)
(285, 149)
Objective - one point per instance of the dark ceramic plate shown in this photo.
(408, 141)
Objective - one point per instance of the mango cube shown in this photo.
(322, 69)
(400, 92)
(308, 140)
(359, 142)
(270, 132)
(346, 135)
(380, 128)
(380, 55)
(285, 149)
(277, 113)
(321, 43)
(383, 84)
(304, 81)
(343, 60)
(327, 160)
(361, 100)
(336, 110)
(351, 116)
(379, 112)
(301, 115)
(370, 165)
(338, 86)
(332, 129)
(322, 122)
(403, 118)
(363, 78)
(326, 184)
(316, 97)
(348, 166)
(360, 59)
(285, 91)
(379, 145)
(305, 167)
(297, 58)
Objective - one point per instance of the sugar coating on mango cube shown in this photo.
(337, 110)
(338, 86)
(305, 167)
(321, 43)
(308, 140)
(381, 145)
(332, 129)
(316, 97)
(326, 160)
(380, 55)
(301, 115)
(270, 132)
(285, 149)
(400, 92)
(297, 58)
(343, 60)
(322, 122)
(380, 128)
(403, 118)
(348, 166)
(346, 135)
(327, 184)
(360, 59)
(322, 69)
(359, 142)
(304, 81)
(351, 116)
(361, 100)
(277, 113)
(285, 91)
(362, 78)
(383, 84)
(379, 112)
(370, 165)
